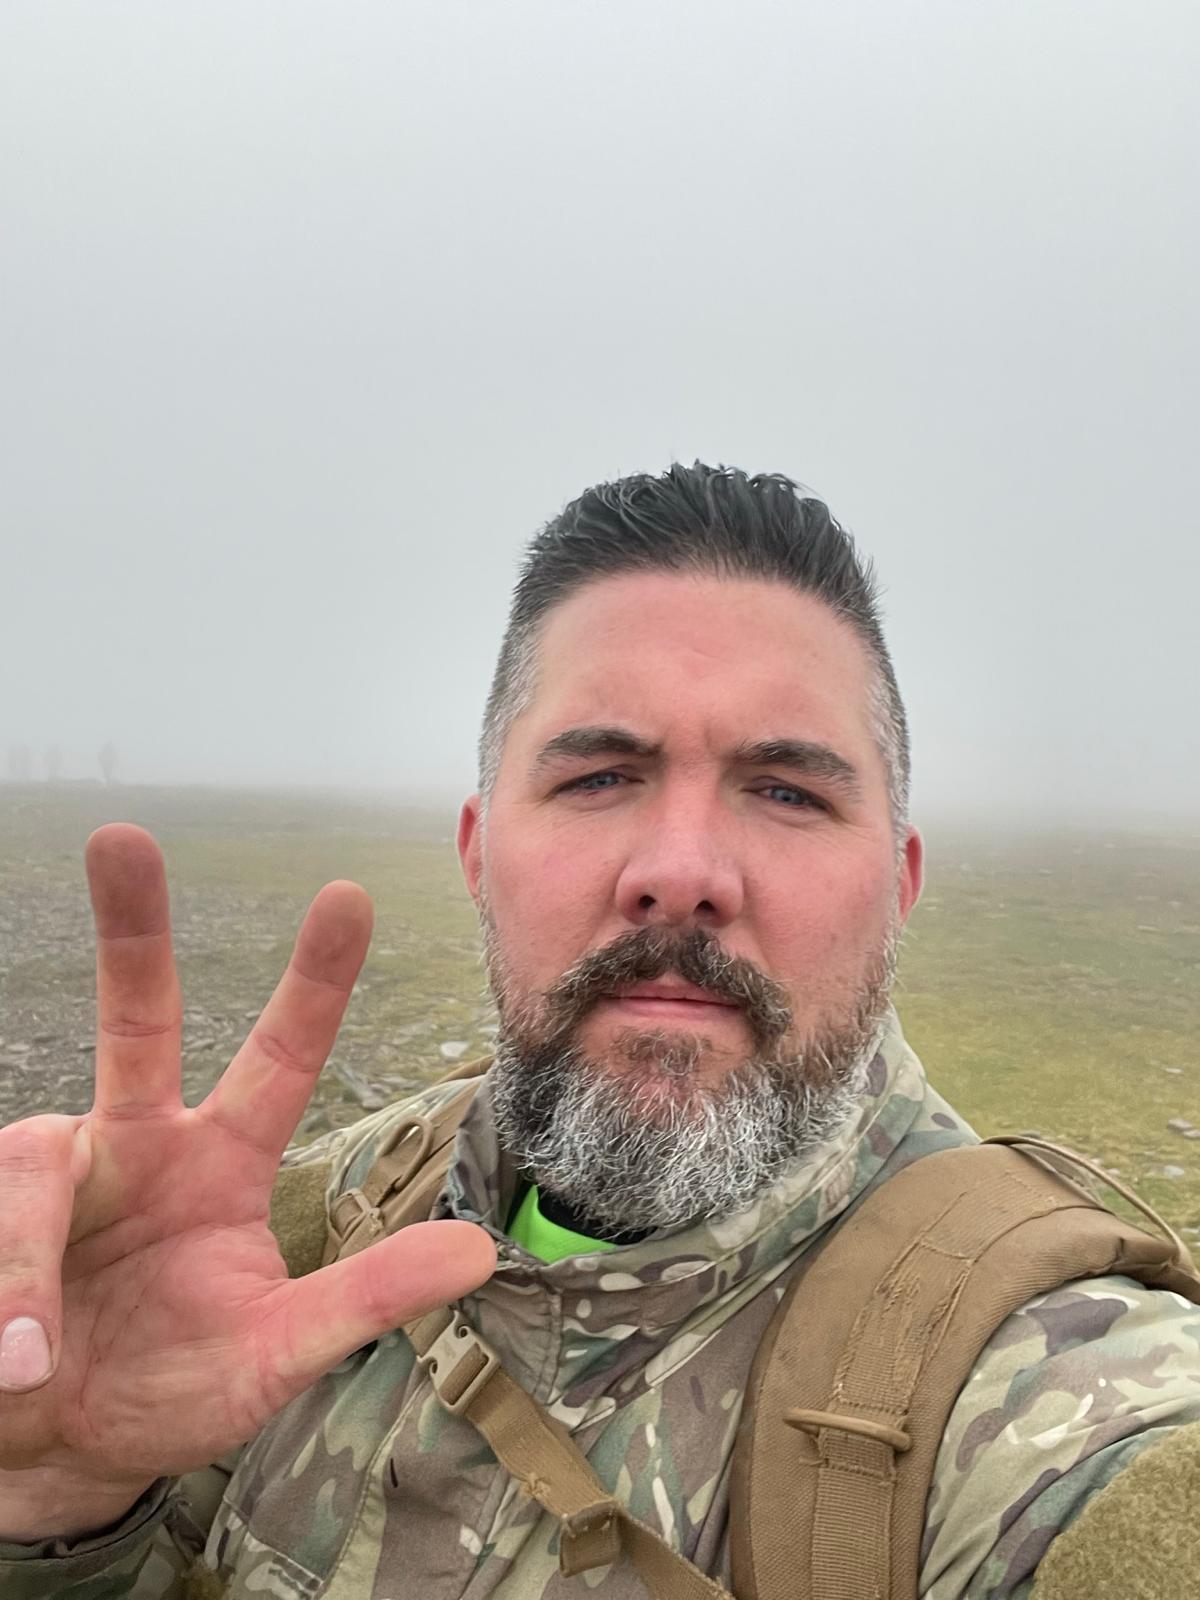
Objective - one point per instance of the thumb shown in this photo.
(331, 1313)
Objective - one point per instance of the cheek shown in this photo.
(828, 919)
(548, 906)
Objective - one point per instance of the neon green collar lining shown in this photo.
(545, 1239)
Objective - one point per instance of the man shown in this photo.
(692, 861)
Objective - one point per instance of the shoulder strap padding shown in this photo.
(854, 1382)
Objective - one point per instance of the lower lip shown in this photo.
(668, 1010)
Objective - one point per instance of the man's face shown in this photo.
(698, 755)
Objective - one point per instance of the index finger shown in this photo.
(138, 1007)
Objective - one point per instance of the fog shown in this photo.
(312, 313)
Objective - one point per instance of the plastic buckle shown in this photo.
(590, 1538)
(353, 1206)
(456, 1348)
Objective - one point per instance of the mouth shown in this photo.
(664, 1002)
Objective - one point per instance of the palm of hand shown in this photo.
(172, 1309)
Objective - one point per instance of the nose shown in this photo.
(682, 873)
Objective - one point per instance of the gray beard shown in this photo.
(647, 1146)
(581, 1134)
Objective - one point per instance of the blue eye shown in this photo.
(800, 799)
(591, 783)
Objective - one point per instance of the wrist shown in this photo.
(49, 1503)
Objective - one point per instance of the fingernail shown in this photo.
(24, 1354)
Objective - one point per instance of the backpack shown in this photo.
(852, 1385)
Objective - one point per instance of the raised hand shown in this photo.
(147, 1323)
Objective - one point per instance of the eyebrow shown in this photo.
(587, 742)
(804, 756)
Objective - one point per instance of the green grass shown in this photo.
(1053, 984)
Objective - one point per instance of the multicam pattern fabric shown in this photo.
(1068, 1391)
(365, 1488)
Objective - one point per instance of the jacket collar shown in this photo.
(671, 1277)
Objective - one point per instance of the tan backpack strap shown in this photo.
(854, 1382)
(407, 1173)
(595, 1528)
(1072, 1165)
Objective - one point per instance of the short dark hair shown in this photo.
(696, 519)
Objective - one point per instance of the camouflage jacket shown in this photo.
(365, 1488)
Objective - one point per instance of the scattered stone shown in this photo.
(1179, 1125)
(250, 1016)
(1174, 1072)
(1192, 1133)
(86, 1048)
(1174, 1172)
(1145, 927)
(44, 1038)
(201, 1044)
(19, 1049)
(354, 1081)
(452, 1049)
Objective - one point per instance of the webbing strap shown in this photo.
(594, 1527)
(875, 1381)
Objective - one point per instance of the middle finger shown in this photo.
(262, 1094)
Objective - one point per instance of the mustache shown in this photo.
(696, 956)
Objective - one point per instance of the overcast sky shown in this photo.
(311, 313)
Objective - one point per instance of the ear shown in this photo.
(912, 873)
(470, 843)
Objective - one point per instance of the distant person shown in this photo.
(692, 859)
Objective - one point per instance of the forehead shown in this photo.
(728, 657)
